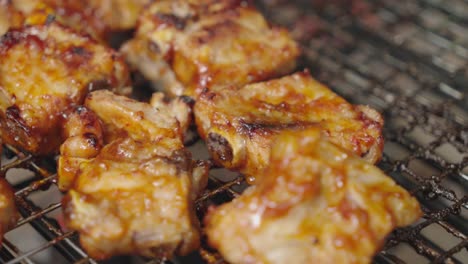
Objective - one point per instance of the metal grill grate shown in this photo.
(408, 59)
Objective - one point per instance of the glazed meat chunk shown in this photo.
(106, 117)
(8, 213)
(44, 70)
(135, 195)
(118, 14)
(239, 125)
(187, 46)
(73, 14)
(319, 204)
(95, 17)
(9, 16)
(134, 198)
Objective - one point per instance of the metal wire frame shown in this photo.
(439, 111)
(32, 214)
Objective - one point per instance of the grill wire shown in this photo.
(408, 59)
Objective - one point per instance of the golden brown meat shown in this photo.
(115, 117)
(316, 203)
(73, 14)
(124, 117)
(118, 14)
(9, 16)
(84, 136)
(186, 46)
(77, 15)
(144, 194)
(8, 213)
(239, 125)
(44, 70)
(95, 17)
(142, 183)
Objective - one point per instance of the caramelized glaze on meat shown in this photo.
(187, 46)
(77, 15)
(124, 117)
(118, 14)
(316, 203)
(73, 14)
(84, 136)
(9, 16)
(142, 183)
(95, 17)
(143, 192)
(44, 70)
(240, 124)
(8, 213)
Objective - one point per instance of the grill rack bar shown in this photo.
(41, 248)
(442, 206)
(11, 249)
(36, 216)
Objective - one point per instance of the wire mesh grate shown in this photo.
(406, 59)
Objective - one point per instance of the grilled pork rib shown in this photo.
(188, 46)
(45, 70)
(95, 17)
(316, 203)
(143, 182)
(239, 125)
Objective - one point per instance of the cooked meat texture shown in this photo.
(74, 14)
(96, 17)
(78, 15)
(135, 198)
(239, 125)
(45, 70)
(187, 46)
(84, 134)
(8, 213)
(319, 204)
(118, 14)
(9, 16)
(136, 195)
(124, 117)
(178, 106)
(107, 117)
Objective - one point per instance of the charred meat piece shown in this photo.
(8, 213)
(239, 125)
(317, 203)
(45, 70)
(142, 183)
(187, 46)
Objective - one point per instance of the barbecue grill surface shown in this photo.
(408, 59)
